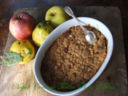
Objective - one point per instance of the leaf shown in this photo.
(11, 58)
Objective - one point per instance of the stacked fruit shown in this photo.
(23, 27)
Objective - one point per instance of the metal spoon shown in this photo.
(89, 35)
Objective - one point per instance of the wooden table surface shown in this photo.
(7, 7)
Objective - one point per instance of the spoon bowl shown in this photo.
(89, 35)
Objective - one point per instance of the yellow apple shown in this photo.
(41, 32)
(56, 15)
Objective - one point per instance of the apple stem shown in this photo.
(52, 14)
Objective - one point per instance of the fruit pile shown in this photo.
(23, 28)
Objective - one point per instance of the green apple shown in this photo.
(56, 15)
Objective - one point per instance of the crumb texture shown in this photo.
(71, 60)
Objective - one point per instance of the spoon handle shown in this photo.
(69, 11)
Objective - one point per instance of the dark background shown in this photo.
(7, 7)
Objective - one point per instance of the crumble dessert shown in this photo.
(70, 61)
